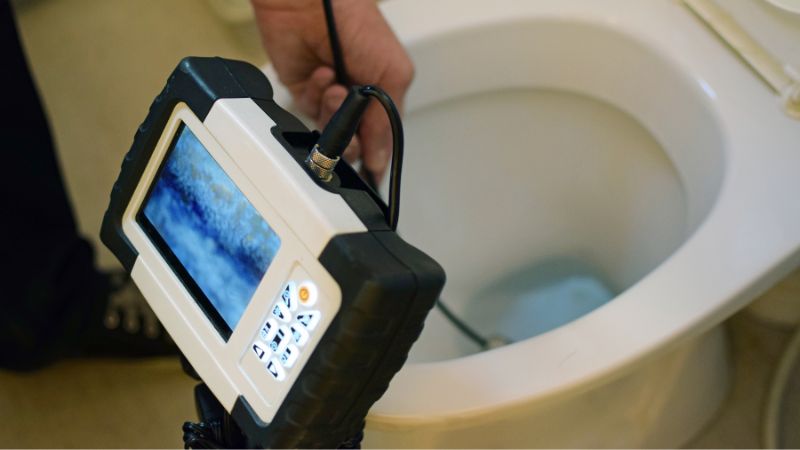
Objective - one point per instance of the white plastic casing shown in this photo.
(237, 134)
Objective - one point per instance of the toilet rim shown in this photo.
(748, 240)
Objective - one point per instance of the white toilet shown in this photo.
(604, 183)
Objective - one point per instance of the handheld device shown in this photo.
(290, 296)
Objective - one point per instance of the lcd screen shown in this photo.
(209, 233)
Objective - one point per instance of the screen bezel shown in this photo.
(238, 135)
(202, 300)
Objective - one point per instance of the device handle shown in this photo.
(217, 429)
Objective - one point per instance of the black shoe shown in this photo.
(128, 327)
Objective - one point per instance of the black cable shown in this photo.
(355, 109)
(396, 169)
(468, 331)
(340, 69)
(339, 131)
(397, 154)
(336, 48)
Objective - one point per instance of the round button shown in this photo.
(307, 293)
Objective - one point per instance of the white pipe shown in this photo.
(791, 356)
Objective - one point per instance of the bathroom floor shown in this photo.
(98, 64)
(142, 404)
(756, 348)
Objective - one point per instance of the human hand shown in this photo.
(295, 37)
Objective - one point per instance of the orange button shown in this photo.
(304, 294)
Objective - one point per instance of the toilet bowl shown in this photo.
(604, 183)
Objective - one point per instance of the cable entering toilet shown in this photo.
(336, 137)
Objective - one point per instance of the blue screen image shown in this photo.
(213, 231)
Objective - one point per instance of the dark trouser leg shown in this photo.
(51, 286)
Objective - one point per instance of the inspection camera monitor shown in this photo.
(290, 296)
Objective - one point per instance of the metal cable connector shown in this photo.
(321, 165)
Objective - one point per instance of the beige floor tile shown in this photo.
(96, 404)
(756, 348)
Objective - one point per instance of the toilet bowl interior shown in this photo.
(550, 165)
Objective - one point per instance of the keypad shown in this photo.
(289, 356)
(281, 312)
(280, 340)
(268, 330)
(261, 351)
(299, 334)
(275, 369)
(288, 328)
(307, 294)
(289, 296)
(309, 319)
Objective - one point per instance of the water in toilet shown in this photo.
(534, 203)
(536, 299)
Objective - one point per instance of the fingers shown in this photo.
(375, 131)
(394, 77)
(297, 41)
(310, 99)
(376, 140)
(330, 101)
(353, 151)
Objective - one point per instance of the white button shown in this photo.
(289, 296)
(280, 340)
(307, 293)
(281, 311)
(268, 330)
(289, 356)
(299, 334)
(309, 319)
(274, 368)
(261, 350)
